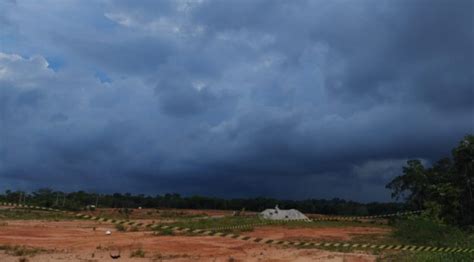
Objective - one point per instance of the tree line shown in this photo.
(445, 190)
(80, 199)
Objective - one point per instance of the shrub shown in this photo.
(137, 253)
(120, 227)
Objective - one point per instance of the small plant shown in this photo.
(126, 211)
(160, 257)
(90, 207)
(120, 227)
(138, 253)
(157, 257)
(134, 229)
(165, 232)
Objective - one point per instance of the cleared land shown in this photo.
(43, 236)
(76, 240)
(27, 235)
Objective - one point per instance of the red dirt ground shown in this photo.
(77, 241)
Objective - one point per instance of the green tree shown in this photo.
(463, 178)
(412, 185)
(445, 189)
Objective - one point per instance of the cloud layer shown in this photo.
(231, 98)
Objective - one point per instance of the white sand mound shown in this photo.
(281, 214)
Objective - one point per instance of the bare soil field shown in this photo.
(78, 241)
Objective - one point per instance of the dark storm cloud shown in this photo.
(232, 98)
(386, 45)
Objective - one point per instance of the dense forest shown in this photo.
(79, 200)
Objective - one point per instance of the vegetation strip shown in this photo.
(263, 223)
(326, 218)
(352, 218)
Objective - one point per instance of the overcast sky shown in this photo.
(288, 99)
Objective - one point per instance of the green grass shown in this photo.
(325, 224)
(164, 232)
(234, 221)
(425, 232)
(214, 223)
(422, 231)
(426, 257)
(29, 214)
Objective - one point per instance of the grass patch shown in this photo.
(425, 257)
(164, 232)
(120, 227)
(425, 232)
(29, 214)
(211, 224)
(161, 257)
(21, 251)
(422, 231)
(226, 224)
(214, 222)
(325, 224)
(138, 253)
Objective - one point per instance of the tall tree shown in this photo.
(446, 189)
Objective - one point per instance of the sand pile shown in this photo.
(281, 214)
